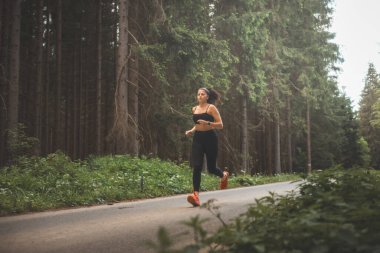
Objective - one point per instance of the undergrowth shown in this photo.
(55, 181)
(335, 211)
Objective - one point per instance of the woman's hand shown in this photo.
(189, 133)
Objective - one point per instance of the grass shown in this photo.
(43, 183)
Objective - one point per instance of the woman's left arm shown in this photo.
(218, 123)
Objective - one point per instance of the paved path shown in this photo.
(122, 227)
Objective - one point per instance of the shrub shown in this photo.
(334, 211)
(55, 181)
(19, 143)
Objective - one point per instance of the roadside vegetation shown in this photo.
(55, 181)
(334, 211)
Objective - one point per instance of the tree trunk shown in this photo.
(76, 113)
(120, 128)
(244, 128)
(14, 69)
(4, 72)
(134, 78)
(268, 148)
(2, 18)
(277, 132)
(81, 122)
(277, 146)
(58, 124)
(47, 145)
(67, 113)
(308, 136)
(39, 84)
(289, 127)
(99, 81)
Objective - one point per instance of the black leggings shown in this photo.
(204, 143)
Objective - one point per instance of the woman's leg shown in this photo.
(197, 173)
(211, 150)
(197, 159)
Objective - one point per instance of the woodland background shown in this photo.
(120, 77)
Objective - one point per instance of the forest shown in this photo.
(111, 77)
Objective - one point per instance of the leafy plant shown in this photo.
(40, 183)
(19, 143)
(334, 211)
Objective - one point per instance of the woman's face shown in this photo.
(202, 96)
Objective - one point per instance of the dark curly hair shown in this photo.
(213, 95)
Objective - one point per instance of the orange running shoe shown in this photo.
(194, 199)
(224, 180)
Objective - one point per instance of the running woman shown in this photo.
(205, 140)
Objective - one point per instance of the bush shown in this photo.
(55, 181)
(37, 183)
(334, 211)
(20, 144)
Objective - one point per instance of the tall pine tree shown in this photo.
(369, 98)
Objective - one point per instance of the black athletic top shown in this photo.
(204, 116)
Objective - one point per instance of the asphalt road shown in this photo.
(122, 227)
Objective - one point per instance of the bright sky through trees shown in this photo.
(357, 27)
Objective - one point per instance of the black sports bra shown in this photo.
(204, 116)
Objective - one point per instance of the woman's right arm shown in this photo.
(190, 132)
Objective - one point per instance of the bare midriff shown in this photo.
(202, 127)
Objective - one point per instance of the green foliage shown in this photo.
(55, 181)
(365, 156)
(375, 122)
(40, 183)
(259, 179)
(368, 114)
(336, 134)
(19, 143)
(243, 25)
(334, 211)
